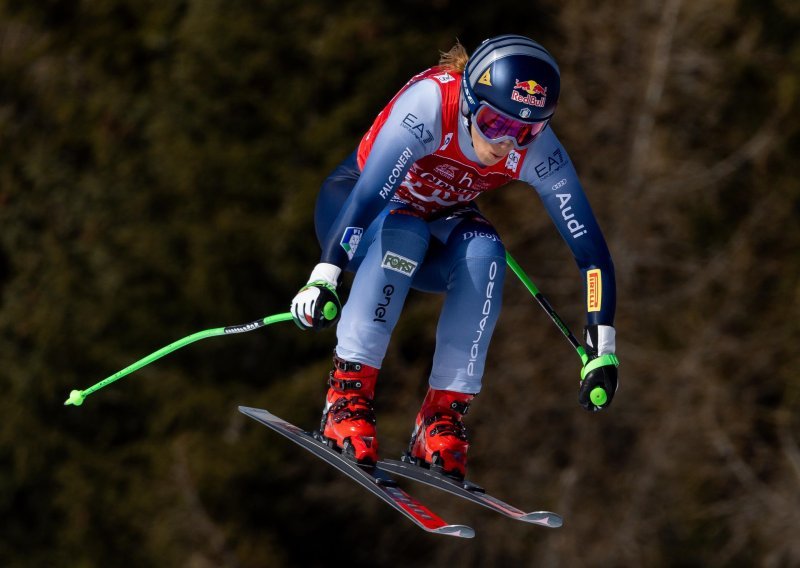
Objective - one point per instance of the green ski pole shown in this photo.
(76, 397)
(598, 395)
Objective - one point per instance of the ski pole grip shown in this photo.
(598, 396)
(330, 311)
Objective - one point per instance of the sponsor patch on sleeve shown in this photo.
(350, 240)
(512, 161)
(444, 77)
(594, 290)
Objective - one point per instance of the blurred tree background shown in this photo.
(159, 164)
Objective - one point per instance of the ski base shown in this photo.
(470, 491)
(373, 478)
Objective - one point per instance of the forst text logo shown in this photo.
(398, 263)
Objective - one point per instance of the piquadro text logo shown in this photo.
(474, 351)
(401, 264)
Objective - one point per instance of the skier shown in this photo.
(399, 212)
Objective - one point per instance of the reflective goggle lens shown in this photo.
(496, 126)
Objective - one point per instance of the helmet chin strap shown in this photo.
(467, 120)
(464, 106)
(467, 117)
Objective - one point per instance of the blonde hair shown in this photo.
(455, 59)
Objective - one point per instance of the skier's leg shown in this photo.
(467, 260)
(386, 265)
(380, 286)
(348, 418)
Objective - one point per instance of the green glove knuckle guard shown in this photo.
(598, 382)
(328, 307)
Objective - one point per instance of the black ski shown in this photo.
(470, 491)
(374, 479)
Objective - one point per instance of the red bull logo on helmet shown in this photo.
(536, 93)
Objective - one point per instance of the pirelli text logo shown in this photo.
(594, 290)
(401, 264)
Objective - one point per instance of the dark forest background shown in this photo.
(159, 162)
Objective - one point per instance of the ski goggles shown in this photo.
(495, 126)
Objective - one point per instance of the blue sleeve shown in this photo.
(549, 170)
(412, 130)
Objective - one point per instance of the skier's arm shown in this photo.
(549, 170)
(551, 173)
(412, 130)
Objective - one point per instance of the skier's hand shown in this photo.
(599, 375)
(316, 305)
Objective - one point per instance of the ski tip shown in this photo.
(462, 531)
(544, 518)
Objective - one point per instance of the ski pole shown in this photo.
(76, 397)
(598, 395)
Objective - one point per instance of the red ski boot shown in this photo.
(439, 439)
(348, 419)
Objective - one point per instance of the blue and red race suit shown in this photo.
(399, 211)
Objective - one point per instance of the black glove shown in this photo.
(599, 375)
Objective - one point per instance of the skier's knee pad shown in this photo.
(478, 241)
(404, 231)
